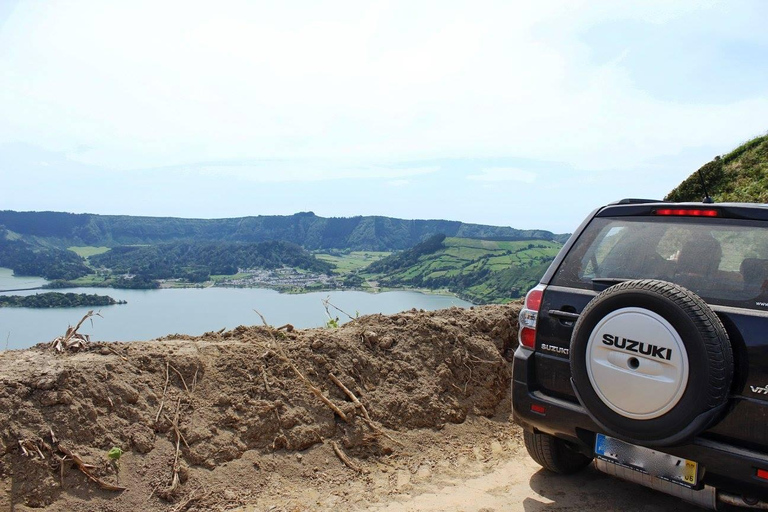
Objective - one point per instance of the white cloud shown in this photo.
(399, 183)
(160, 84)
(504, 174)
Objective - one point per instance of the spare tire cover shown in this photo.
(651, 362)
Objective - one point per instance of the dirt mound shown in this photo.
(197, 417)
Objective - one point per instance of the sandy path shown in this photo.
(521, 485)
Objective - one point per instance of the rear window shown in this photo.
(723, 261)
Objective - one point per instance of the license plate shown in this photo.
(638, 458)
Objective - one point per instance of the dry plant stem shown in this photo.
(181, 377)
(165, 388)
(327, 302)
(83, 467)
(312, 388)
(88, 315)
(378, 430)
(264, 376)
(366, 418)
(351, 396)
(116, 353)
(175, 479)
(61, 468)
(343, 458)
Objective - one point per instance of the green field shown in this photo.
(482, 271)
(88, 251)
(352, 261)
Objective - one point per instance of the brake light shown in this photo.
(687, 212)
(528, 317)
(762, 473)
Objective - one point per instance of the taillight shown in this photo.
(762, 474)
(528, 316)
(687, 212)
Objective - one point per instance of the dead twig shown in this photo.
(351, 396)
(264, 377)
(379, 431)
(175, 481)
(315, 391)
(31, 448)
(343, 458)
(327, 303)
(165, 388)
(181, 377)
(84, 468)
(121, 356)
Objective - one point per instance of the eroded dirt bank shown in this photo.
(258, 417)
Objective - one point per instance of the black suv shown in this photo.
(645, 349)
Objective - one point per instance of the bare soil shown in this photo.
(236, 418)
(234, 421)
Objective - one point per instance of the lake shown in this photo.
(153, 313)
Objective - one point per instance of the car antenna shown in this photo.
(707, 198)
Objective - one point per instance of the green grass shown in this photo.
(483, 271)
(88, 251)
(352, 262)
(88, 280)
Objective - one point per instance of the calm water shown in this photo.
(153, 313)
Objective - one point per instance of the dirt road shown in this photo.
(520, 485)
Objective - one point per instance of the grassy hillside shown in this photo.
(482, 271)
(305, 229)
(740, 176)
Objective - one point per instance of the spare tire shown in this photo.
(651, 362)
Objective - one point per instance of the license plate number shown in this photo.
(639, 458)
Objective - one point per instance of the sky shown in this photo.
(522, 114)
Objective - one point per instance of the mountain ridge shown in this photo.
(376, 233)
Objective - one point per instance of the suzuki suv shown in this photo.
(645, 349)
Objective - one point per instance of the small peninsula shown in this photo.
(57, 300)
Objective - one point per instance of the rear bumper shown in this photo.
(728, 468)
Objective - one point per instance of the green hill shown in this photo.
(196, 262)
(482, 271)
(739, 176)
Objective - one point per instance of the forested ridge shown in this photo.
(196, 262)
(48, 262)
(306, 229)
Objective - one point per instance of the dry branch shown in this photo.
(342, 456)
(181, 377)
(319, 394)
(327, 302)
(84, 468)
(165, 388)
(351, 396)
(175, 481)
